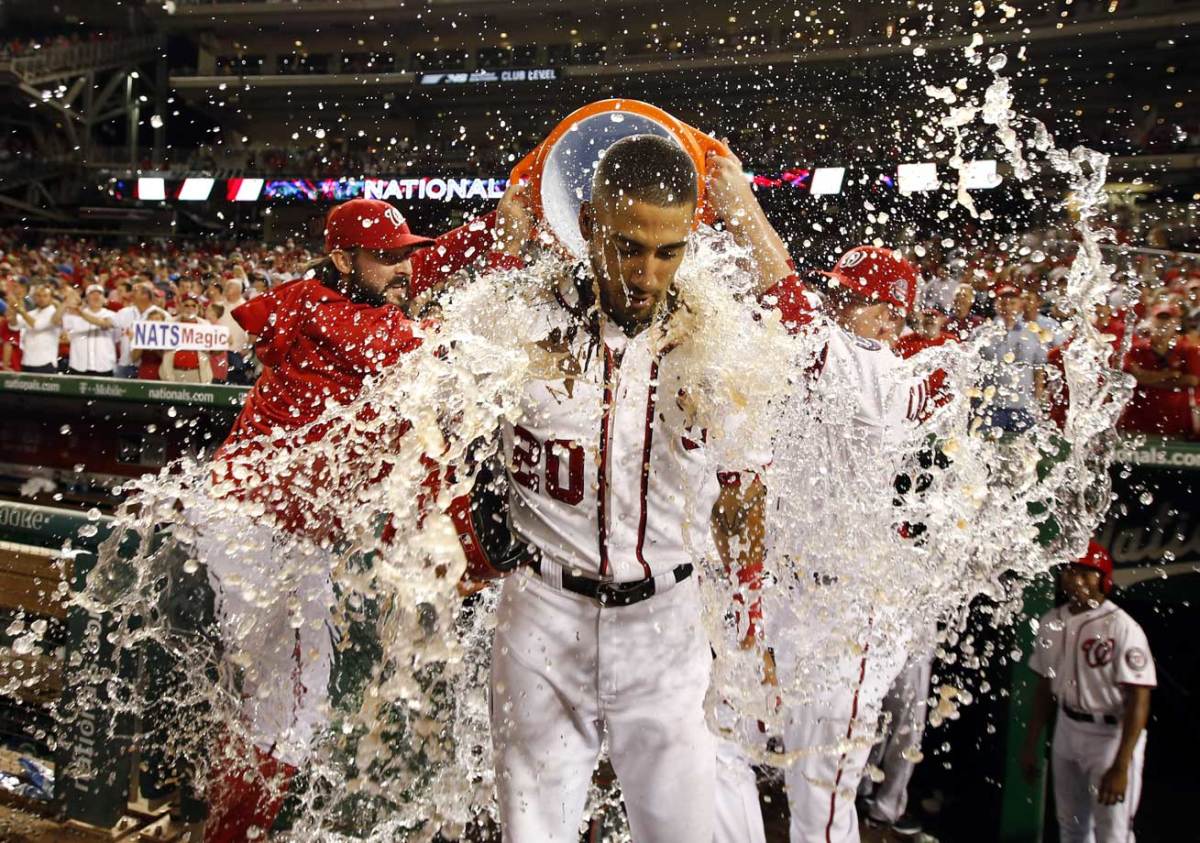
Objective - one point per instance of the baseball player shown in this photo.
(318, 337)
(870, 291)
(905, 707)
(1095, 664)
(904, 710)
(600, 637)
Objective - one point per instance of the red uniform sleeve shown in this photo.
(366, 338)
(254, 314)
(451, 252)
(789, 296)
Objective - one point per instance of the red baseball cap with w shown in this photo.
(369, 224)
(877, 275)
(1098, 559)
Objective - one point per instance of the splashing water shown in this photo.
(368, 550)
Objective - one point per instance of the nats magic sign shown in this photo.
(180, 336)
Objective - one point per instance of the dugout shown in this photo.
(116, 430)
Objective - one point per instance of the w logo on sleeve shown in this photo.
(1099, 651)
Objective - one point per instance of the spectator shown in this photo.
(10, 342)
(141, 299)
(239, 342)
(929, 330)
(1167, 368)
(963, 321)
(90, 329)
(40, 329)
(186, 366)
(1049, 329)
(149, 360)
(1017, 376)
(122, 296)
(219, 359)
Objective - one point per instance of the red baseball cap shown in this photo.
(369, 224)
(1006, 290)
(1166, 309)
(878, 275)
(1097, 559)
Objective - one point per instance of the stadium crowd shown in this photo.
(70, 304)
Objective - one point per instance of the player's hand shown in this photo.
(514, 219)
(1030, 767)
(1113, 784)
(727, 191)
(468, 586)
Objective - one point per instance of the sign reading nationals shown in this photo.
(180, 336)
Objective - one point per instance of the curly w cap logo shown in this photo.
(1099, 651)
(394, 217)
(854, 258)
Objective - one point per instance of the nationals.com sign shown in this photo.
(180, 336)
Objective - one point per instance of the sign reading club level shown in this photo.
(180, 336)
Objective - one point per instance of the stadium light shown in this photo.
(827, 181)
(243, 190)
(152, 189)
(195, 189)
(980, 175)
(914, 178)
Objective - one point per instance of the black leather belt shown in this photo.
(613, 593)
(1084, 717)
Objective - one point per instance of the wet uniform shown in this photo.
(821, 785)
(607, 486)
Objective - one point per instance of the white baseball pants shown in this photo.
(738, 812)
(838, 733)
(1081, 754)
(906, 706)
(273, 609)
(564, 673)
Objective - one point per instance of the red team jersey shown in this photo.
(316, 347)
(910, 344)
(1165, 411)
(12, 337)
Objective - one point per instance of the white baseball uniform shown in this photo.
(844, 711)
(905, 709)
(1090, 658)
(273, 605)
(606, 483)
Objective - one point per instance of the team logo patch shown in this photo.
(1136, 659)
(394, 217)
(1099, 651)
(854, 258)
(900, 290)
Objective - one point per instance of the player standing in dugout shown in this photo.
(1095, 665)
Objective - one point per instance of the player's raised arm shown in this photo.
(730, 197)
